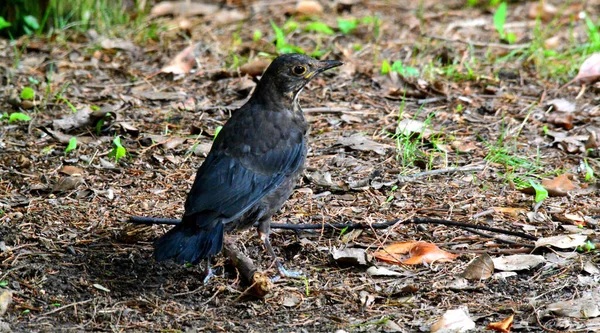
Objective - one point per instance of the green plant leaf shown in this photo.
(257, 35)
(319, 27)
(406, 71)
(279, 35)
(500, 19)
(3, 283)
(18, 116)
(27, 93)
(217, 131)
(72, 145)
(3, 23)
(347, 26)
(118, 151)
(589, 172)
(385, 67)
(31, 22)
(540, 192)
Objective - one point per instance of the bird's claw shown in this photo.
(209, 274)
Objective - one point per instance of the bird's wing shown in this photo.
(230, 185)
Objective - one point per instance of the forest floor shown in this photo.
(425, 86)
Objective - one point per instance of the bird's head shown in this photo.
(289, 73)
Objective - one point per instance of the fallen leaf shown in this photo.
(453, 321)
(559, 185)
(589, 72)
(71, 170)
(543, 10)
(480, 268)
(5, 300)
(309, 7)
(587, 306)
(79, 119)
(464, 146)
(228, 16)
(184, 61)
(366, 299)
(410, 127)
(291, 299)
(183, 8)
(359, 142)
(570, 241)
(510, 210)
(382, 271)
(518, 262)
(502, 326)
(101, 287)
(562, 119)
(418, 253)
(561, 105)
(119, 44)
(351, 256)
(173, 143)
(255, 67)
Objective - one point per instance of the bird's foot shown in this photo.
(209, 274)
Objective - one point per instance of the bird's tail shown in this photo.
(188, 243)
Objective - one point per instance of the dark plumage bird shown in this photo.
(252, 168)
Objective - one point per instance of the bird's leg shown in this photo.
(208, 272)
(264, 229)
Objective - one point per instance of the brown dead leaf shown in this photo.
(228, 16)
(589, 72)
(480, 268)
(183, 62)
(71, 170)
(457, 320)
(562, 119)
(79, 119)
(309, 7)
(502, 326)
(67, 183)
(510, 210)
(464, 146)
(418, 253)
(560, 185)
(183, 8)
(119, 44)
(543, 10)
(255, 67)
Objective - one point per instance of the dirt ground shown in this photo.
(72, 262)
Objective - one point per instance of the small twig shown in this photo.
(467, 168)
(64, 307)
(351, 226)
(480, 44)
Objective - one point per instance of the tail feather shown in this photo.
(188, 243)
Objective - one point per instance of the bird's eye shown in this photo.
(299, 70)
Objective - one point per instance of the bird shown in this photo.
(252, 168)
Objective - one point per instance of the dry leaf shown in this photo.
(502, 326)
(453, 321)
(255, 67)
(587, 306)
(418, 253)
(228, 16)
(560, 185)
(510, 210)
(359, 142)
(480, 268)
(518, 262)
(351, 256)
(5, 300)
(543, 10)
(119, 44)
(464, 146)
(562, 105)
(570, 241)
(184, 61)
(71, 170)
(562, 119)
(410, 126)
(183, 8)
(309, 7)
(589, 72)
